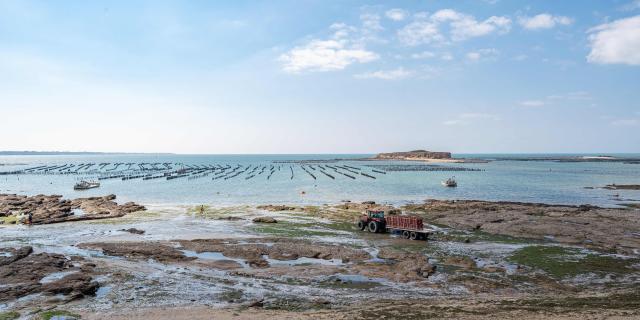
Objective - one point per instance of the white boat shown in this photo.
(85, 185)
(451, 182)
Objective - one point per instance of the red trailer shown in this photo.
(410, 227)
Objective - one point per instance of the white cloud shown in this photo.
(343, 48)
(423, 55)
(324, 55)
(479, 116)
(468, 27)
(420, 32)
(532, 103)
(633, 5)
(617, 42)
(473, 56)
(544, 21)
(482, 54)
(371, 22)
(576, 95)
(426, 29)
(447, 57)
(396, 14)
(625, 122)
(395, 74)
(453, 122)
(571, 98)
(468, 118)
(520, 57)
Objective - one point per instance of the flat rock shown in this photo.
(265, 220)
(134, 231)
(22, 275)
(53, 209)
(139, 250)
(605, 228)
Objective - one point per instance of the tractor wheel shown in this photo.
(361, 225)
(373, 227)
(405, 234)
(413, 235)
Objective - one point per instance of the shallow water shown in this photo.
(52, 277)
(528, 181)
(215, 256)
(303, 261)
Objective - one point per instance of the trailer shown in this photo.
(409, 227)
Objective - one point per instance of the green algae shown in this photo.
(60, 314)
(560, 262)
(296, 230)
(9, 315)
(625, 301)
(11, 219)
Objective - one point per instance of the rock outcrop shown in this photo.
(53, 209)
(133, 231)
(139, 250)
(24, 273)
(264, 220)
(273, 207)
(614, 230)
(622, 187)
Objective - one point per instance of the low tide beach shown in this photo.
(287, 246)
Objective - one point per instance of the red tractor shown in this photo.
(374, 220)
(409, 227)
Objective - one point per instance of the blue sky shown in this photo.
(320, 76)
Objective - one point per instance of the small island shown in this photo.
(414, 155)
(422, 155)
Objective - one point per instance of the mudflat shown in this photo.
(481, 260)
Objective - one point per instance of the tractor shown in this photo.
(373, 220)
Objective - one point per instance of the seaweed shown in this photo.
(560, 262)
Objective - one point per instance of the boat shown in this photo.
(86, 185)
(451, 182)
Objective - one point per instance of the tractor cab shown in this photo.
(375, 214)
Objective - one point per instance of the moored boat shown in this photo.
(85, 185)
(451, 182)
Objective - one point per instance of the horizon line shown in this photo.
(31, 152)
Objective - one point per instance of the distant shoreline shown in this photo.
(70, 153)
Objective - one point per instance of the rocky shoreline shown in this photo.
(53, 209)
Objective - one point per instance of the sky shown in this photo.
(214, 77)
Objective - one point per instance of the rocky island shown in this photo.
(423, 155)
(413, 155)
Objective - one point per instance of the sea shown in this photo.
(504, 179)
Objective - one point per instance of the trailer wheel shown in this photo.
(373, 227)
(361, 225)
(405, 234)
(413, 235)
